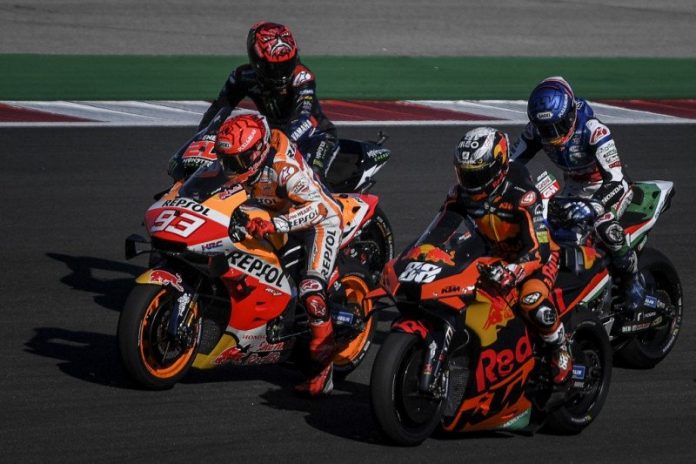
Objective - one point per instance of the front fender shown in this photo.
(161, 277)
(412, 326)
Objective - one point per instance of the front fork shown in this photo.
(437, 341)
(179, 326)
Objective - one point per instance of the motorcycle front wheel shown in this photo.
(404, 414)
(153, 358)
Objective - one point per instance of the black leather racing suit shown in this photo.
(294, 109)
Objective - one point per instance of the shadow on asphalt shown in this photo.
(88, 356)
(111, 293)
(345, 413)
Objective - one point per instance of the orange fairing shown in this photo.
(507, 396)
(431, 254)
(355, 211)
(455, 285)
(388, 279)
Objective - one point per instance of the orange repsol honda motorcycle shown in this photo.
(215, 295)
(459, 358)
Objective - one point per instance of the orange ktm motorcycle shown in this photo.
(459, 357)
(218, 296)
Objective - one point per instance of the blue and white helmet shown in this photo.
(552, 110)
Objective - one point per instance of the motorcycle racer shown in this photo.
(270, 167)
(565, 127)
(284, 90)
(505, 206)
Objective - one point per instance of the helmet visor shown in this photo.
(476, 180)
(277, 73)
(557, 132)
(239, 163)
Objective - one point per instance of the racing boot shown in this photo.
(631, 282)
(561, 363)
(561, 360)
(322, 348)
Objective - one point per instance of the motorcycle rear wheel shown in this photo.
(379, 237)
(149, 354)
(356, 286)
(403, 414)
(590, 347)
(648, 348)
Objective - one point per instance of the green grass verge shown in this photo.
(105, 77)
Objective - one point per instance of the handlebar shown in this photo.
(383, 137)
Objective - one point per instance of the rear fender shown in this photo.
(657, 197)
(358, 210)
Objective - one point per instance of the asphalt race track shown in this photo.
(70, 197)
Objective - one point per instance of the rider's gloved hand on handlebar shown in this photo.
(578, 212)
(502, 276)
(258, 228)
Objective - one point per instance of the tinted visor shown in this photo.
(558, 130)
(237, 164)
(476, 180)
(277, 73)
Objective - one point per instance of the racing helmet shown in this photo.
(242, 145)
(481, 161)
(552, 110)
(272, 53)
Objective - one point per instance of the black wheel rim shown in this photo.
(413, 407)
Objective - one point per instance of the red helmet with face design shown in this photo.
(273, 53)
(242, 146)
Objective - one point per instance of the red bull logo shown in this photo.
(497, 314)
(158, 276)
(431, 254)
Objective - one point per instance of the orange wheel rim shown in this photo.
(356, 289)
(147, 349)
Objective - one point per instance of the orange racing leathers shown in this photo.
(511, 222)
(286, 186)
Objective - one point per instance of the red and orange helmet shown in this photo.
(242, 146)
(272, 52)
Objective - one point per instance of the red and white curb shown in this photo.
(343, 113)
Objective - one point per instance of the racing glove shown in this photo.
(502, 276)
(578, 212)
(258, 228)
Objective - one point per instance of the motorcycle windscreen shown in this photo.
(205, 182)
(449, 244)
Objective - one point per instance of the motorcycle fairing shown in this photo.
(495, 395)
(572, 289)
(650, 199)
(161, 277)
(244, 347)
(258, 287)
(356, 211)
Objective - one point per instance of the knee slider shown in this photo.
(312, 296)
(546, 316)
(315, 305)
(311, 286)
(611, 234)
